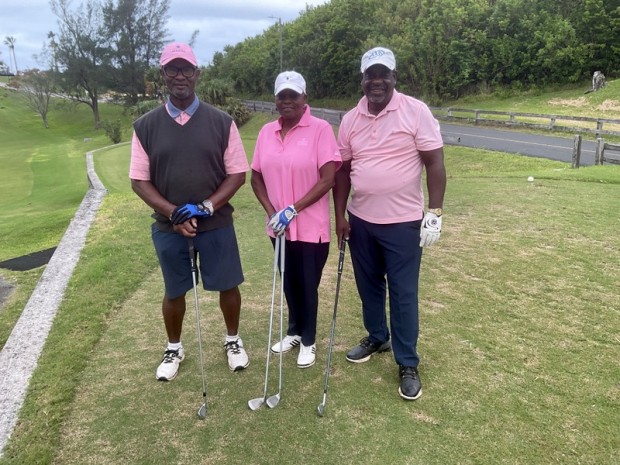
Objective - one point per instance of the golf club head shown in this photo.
(255, 404)
(273, 401)
(202, 412)
(320, 409)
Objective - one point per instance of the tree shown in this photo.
(10, 41)
(82, 52)
(37, 87)
(136, 32)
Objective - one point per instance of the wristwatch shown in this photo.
(436, 211)
(207, 205)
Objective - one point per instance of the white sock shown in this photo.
(232, 338)
(175, 345)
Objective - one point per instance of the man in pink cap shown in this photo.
(187, 162)
(386, 142)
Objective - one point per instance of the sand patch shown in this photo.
(574, 102)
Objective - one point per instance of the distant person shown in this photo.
(385, 142)
(293, 170)
(187, 162)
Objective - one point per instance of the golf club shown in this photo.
(255, 404)
(272, 401)
(202, 411)
(321, 407)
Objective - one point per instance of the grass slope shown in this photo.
(519, 325)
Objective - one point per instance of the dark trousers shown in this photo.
(392, 251)
(303, 268)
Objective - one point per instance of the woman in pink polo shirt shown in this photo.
(293, 170)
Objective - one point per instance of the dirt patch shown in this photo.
(609, 105)
(6, 289)
(574, 102)
(28, 262)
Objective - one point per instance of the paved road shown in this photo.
(534, 145)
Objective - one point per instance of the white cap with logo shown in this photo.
(378, 56)
(290, 80)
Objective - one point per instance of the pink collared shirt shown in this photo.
(290, 168)
(235, 159)
(386, 167)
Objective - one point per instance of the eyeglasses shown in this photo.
(173, 71)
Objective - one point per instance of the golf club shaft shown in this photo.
(276, 255)
(282, 260)
(331, 338)
(192, 258)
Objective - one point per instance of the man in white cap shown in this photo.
(187, 162)
(385, 142)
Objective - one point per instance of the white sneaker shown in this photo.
(288, 344)
(169, 366)
(307, 356)
(237, 356)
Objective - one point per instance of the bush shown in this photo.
(113, 130)
(143, 107)
(237, 109)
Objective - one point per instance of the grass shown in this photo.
(519, 340)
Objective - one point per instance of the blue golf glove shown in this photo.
(281, 220)
(184, 212)
(430, 229)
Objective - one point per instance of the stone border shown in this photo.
(20, 354)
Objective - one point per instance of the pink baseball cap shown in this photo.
(177, 50)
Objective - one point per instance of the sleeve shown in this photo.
(428, 136)
(257, 151)
(328, 147)
(235, 159)
(139, 163)
(344, 145)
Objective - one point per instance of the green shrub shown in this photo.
(237, 109)
(113, 129)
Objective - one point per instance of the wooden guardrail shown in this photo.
(583, 124)
(606, 153)
(579, 124)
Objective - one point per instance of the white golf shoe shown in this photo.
(307, 356)
(288, 344)
(169, 366)
(237, 356)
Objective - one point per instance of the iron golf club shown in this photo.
(255, 404)
(202, 411)
(273, 401)
(321, 407)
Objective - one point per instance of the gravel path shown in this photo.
(20, 354)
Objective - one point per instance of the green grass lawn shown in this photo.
(519, 340)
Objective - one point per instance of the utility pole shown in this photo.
(280, 30)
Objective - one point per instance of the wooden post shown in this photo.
(576, 151)
(552, 123)
(599, 127)
(598, 160)
(477, 116)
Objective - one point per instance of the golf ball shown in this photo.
(530, 178)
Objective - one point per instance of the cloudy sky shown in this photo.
(220, 23)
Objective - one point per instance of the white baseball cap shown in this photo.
(290, 80)
(378, 56)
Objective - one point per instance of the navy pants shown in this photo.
(303, 268)
(388, 256)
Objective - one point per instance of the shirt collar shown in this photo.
(176, 112)
(392, 104)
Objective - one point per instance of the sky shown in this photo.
(220, 23)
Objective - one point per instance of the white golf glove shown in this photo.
(281, 220)
(430, 229)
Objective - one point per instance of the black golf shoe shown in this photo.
(365, 349)
(410, 386)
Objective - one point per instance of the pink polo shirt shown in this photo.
(386, 167)
(235, 160)
(290, 168)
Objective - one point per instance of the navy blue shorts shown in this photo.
(218, 260)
